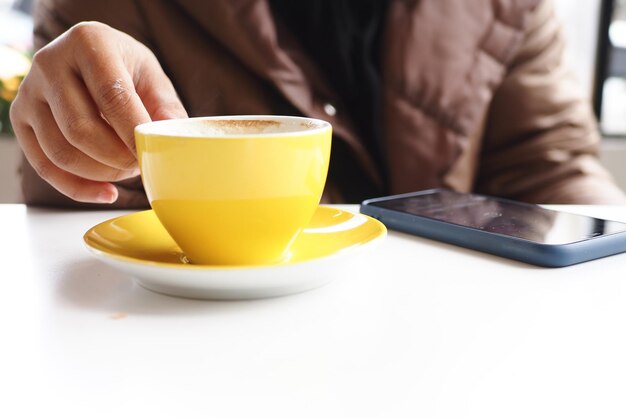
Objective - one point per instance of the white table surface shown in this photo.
(418, 329)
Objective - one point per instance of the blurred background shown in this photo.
(595, 31)
(15, 50)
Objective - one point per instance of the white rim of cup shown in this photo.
(147, 127)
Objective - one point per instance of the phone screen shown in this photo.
(503, 216)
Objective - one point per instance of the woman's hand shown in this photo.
(76, 110)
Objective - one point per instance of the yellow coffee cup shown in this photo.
(234, 190)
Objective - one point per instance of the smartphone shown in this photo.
(507, 228)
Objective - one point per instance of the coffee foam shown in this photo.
(232, 127)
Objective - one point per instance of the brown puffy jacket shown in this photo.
(476, 95)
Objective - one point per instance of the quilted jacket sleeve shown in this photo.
(541, 138)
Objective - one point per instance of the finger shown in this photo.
(111, 86)
(75, 187)
(81, 124)
(67, 157)
(157, 91)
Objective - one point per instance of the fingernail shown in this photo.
(106, 196)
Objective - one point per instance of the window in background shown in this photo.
(610, 92)
(15, 48)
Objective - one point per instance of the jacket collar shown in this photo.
(247, 29)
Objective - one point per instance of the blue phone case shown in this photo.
(533, 252)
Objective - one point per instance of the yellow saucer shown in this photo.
(137, 244)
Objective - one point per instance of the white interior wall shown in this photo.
(9, 180)
(580, 25)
